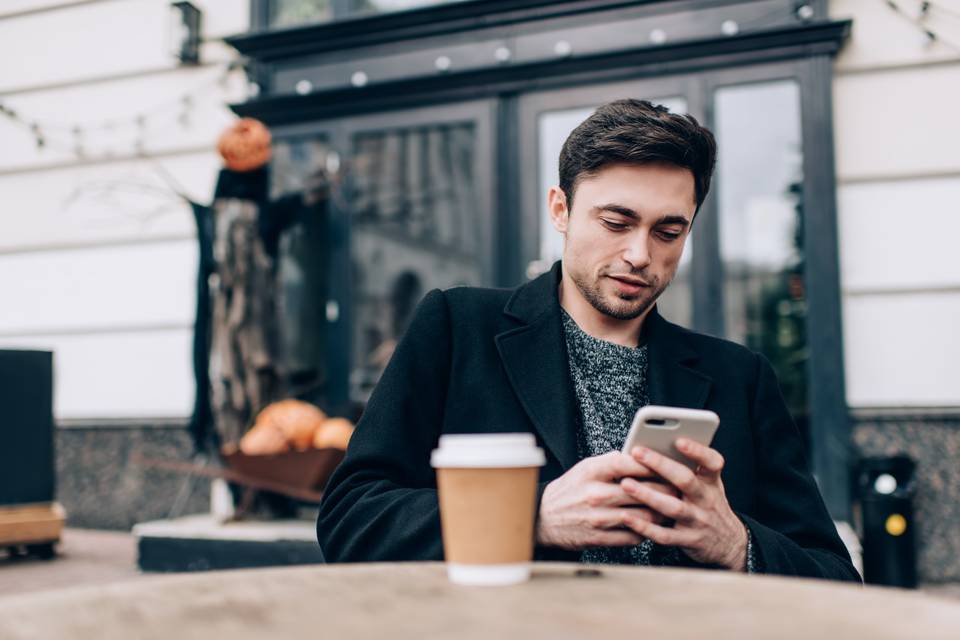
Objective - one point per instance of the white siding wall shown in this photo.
(896, 100)
(97, 256)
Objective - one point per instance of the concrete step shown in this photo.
(203, 543)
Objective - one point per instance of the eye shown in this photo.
(613, 226)
(669, 236)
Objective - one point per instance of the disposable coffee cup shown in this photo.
(487, 486)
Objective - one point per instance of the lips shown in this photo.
(628, 286)
(635, 282)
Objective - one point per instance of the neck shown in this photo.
(596, 323)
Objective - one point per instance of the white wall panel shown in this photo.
(117, 316)
(902, 350)
(70, 44)
(96, 288)
(105, 202)
(123, 375)
(9, 7)
(900, 234)
(882, 38)
(84, 42)
(897, 123)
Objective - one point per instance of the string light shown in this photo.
(79, 134)
(78, 142)
(920, 21)
(37, 135)
(184, 117)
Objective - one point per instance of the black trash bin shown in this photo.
(886, 487)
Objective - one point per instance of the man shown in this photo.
(570, 356)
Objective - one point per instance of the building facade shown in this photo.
(438, 125)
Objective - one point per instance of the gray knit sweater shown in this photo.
(610, 383)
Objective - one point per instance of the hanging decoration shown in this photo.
(927, 9)
(71, 137)
(245, 145)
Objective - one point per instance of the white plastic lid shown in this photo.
(488, 450)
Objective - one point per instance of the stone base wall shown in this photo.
(102, 486)
(933, 441)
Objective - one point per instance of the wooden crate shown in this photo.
(308, 469)
(31, 523)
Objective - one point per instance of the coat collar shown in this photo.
(534, 356)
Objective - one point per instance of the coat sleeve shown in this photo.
(792, 531)
(381, 502)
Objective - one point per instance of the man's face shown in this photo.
(625, 234)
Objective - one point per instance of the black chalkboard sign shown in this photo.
(27, 472)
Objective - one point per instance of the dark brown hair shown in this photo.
(637, 132)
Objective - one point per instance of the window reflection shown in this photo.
(760, 200)
(287, 13)
(676, 303)
(389, 6)
(299, 188)
(415, 226)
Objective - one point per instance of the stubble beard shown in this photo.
(641, 303)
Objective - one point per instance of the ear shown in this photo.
(557, 206)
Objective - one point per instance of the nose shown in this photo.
(637, 251)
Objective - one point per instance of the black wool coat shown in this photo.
(485, 360)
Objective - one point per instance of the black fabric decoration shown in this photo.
(201, 420)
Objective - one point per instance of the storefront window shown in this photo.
(300, 223)
(760, 178)
(389, 6)
(415, 226)
(286, 13)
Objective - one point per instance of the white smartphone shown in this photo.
(658, 428)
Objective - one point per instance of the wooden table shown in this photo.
(399, 601)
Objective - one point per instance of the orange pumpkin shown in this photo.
(295, 419)
(335, 433)
(245, 145)
(264, 440)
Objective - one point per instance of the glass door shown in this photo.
(759, 196)
(742, 276)
(416, 204)
(409, 209)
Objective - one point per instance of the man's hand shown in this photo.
(589, 507)
(705, 528)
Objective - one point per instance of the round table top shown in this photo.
(415, 600)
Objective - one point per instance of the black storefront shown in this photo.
(439, 128)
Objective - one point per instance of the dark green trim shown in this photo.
(359, 31)
(823, 38)
(829, 416)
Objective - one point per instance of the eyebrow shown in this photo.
(630, 213)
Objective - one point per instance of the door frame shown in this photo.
(831, 447)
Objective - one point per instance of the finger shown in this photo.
(623, 498)
(662, 487)
(670, 537)
(607, 494)
(710, 459)
(616, 465)
(672, 471)
(617, 518)
(663, 503)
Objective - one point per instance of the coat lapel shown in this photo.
(673, 383)
(534, 356)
